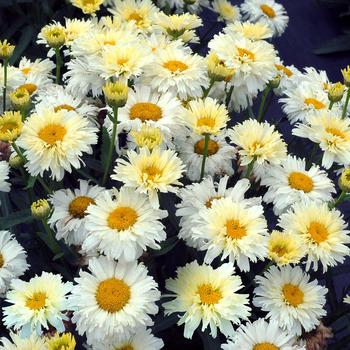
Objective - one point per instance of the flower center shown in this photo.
(210, 201)
(122, 218)
(36, 301)
(206, 121)
(52, 133)
(292, 294)
(145, 111)
(31, 88)
(135, 17)
(235, 230)
(77, 207)
(300, 181)
(316, 103)
(122, 61)
(269, 11)
(244, 54)
(2, 261)
(175, 66)
(280, 250)
(335, 132)
(152, 172)
(213, 147)
(318, 232)
(265, 346)
(126, 347)
(8, 127)
(284, 69)
(208, 294)
(112, 294)
(65, 107)
(26, 70)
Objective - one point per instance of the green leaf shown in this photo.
(105, 146)
(17, 218)
(58, 256)
(339, 44)
(166, 246)
(30, 182)
(23, 42)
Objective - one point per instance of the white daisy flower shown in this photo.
(69, 211)
(56, 141)
(13, 261)
(249, 30)
(113, 299)
(233, 229)
(288, 76)
(268, 12)
(226, 11)
(15, 78)
(38, 67)
(123, 228)
(323, 231)
(75, 28)
(331, 132)
(37, 304)
(33, 342)
(290, 182)
(262, 335)
(208, 296)
(290, 299)
(177, 71)
(5, 186)
(191, 150)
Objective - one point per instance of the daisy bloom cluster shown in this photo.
(148, 193)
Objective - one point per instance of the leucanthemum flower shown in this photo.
(37, 304)
(52, 36)
(38, 67)
(148, 107)
(12, 260)
(262, 335)
(191, 150)
(290, 298)
(150, 172)
(5, 186)
(268, 12)
(89, 7)
(75, 28)
(10, 126)
(14, 79)
(226, 11)
(209, 296)
(285, 248)
(205, 116)
(290, 182)
(69, 211)
(323, 231)
(65, 341)
(251, 31)
(113, 299)
(288, 77)
(177, 71)
(142, 339)
(217, 70)
(331, 132)
(56, 141)
(33, 342)
(123, 228)
(259, 142)
(232, 229)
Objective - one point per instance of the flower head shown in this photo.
(10, 126)
(6, 50)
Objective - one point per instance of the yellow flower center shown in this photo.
(145, 111)
(26, 70)
(269, 11)
(316, 103)
(208, 294)
(135, 17)
(335, 132)
(112, 294)
(213, 147)
(206, 121)
(8, 127)
(300, 181)
(31, 88)
(280, 249)
(64, 107)
(175, 66)
(122, 61)
(52, 133)
(318, 232)
(235, 230)
(2, 261)
(36, 301)
(210, 201)
(265, 346)
(122, 218)
(292, 294)
(284, 69)
(77, 207)
(244, 53)
(152, 172)
(126, 347)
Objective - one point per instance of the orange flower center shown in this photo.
(284, 69)
(213, 147)
(175, 66)
(269, 11)
(235, 230)
(300, 181)
(122, 218)
(77, 207)
(265, 346)
(31, 88)
(145, 111)
(208, 294)
(316, 103)
(335, 132)
(36, 301)
(65, 107)
(318, 232)
(52, 133)
(292, 294)
(244, 53)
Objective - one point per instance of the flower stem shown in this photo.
(250, 110)
(205, 155)
(58, 65)
(345, 108)
(111, 146)
(5, 85)
(250, 168)
(331, 103)
(262, 103)
(43, 184)
(206, 92)
(228, 96)
(49, 239)
(338, 200)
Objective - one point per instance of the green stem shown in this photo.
(345, 108)
(338, 200)
(5, 85)
(228, 96)
(205, 155)
(58, 65)
(43, 184)
(250, 110)
(262, 103)
(50, 239)
(18, 151)
(111, 146)
(250, 168)
(331, 103)
(206, 92)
